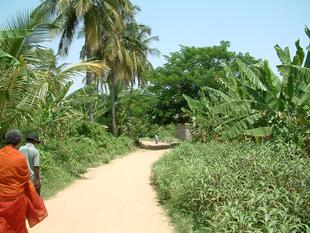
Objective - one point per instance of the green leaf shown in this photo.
(307, 31)
(253, 94)
(194, 105)
(12, 60)
(305, 99)
(251, 76)
(307, 62)
(218, 93)
(290, 87)
(301, 74)
(292, 78)
(274, 83)
(300, 54)
(234, 107)
(231, 80)
(239, 127)
(259, 132)
(283, 55)
(15, 34)
(63, 92)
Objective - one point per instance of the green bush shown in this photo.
(236, 187)
(64, 160)
(166, 133)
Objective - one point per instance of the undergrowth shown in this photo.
(62, 161)
(235, 187)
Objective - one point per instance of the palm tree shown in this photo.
(127, 56)
(28, 69)
(96, 16)
(139, 38)
(20, 55)
(55, 116)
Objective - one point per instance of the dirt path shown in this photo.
(114, 198)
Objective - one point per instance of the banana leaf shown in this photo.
(284, 55)
(259, 132)
(241, 126)
(234, 107)
(251, 76)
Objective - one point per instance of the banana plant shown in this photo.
(256, 102)
(262, 100)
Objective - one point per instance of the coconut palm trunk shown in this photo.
(89, 77)
(112, 86)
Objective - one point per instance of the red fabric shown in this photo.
(13, 214)
(18, 199)
(36, 211)
(4, 228)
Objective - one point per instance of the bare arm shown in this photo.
(37, 182)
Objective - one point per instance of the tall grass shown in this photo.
(236, 187)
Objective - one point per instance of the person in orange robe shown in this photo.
(18, 198)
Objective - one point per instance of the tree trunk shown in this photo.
(113, 109)
(89, 77)
(90, 105)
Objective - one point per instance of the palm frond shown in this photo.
(15, 33)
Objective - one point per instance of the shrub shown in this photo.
(64, 160)
(236, 187)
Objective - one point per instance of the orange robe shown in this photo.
(18, 198)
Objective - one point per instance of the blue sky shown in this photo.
(253, 26)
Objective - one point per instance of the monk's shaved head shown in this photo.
(13, 137)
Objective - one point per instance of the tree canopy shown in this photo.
(185, 72)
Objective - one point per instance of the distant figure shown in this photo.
(156, 139)
(18, 198)
(33, 159)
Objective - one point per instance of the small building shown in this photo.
(183, 132)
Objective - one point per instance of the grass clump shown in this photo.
(63, 161)
(235, 187)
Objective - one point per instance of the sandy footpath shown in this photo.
(114, 198)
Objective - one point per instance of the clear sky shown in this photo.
(253, 26)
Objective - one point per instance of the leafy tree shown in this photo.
(185, 72)
(133, 107)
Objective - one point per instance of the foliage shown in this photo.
(203, 118)
(185, 72)
(257, 103)
(94, 16)
(127, 55)
(235, 187)
(132, 112)
(32, 87)
(98, 19)
(134, 118)
(165, 133)
(64, 160)
(21, 88)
